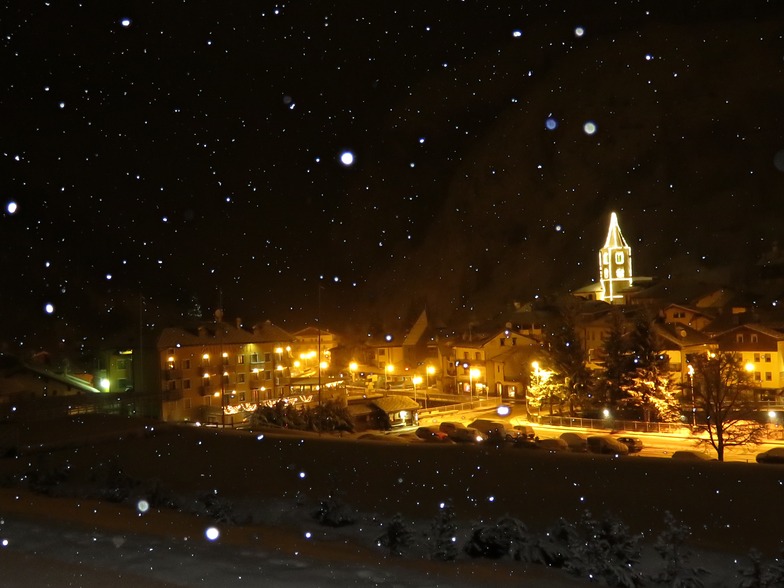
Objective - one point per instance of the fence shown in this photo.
(610, 424)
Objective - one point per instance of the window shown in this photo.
(171, 385)
(186, 384)
(187, 403)
(503, 341)
(121, 364)
(768, 376)
(240, 359)
(477, 356)
(186, 364)
(254, 358)
(766, 357)
(268, 375)
(606, 258)
(382, 352)
(465, 354)
(757, 377)
(754, 338)
(619, 257)
(241, 396)
(267, 357)
(756, 358)
(240, 378)
(739, 338)
(514, 341)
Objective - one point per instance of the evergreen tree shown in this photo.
(670, 545)
(396, 537)
(567, 356)
(443, 534)
(617, 360)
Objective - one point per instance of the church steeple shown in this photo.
(615, 264)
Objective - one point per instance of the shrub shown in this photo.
(396, 537)
(333, 512)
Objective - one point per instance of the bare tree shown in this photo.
(723, 391)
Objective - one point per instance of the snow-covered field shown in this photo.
(166, 488)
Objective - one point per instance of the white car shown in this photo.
(606, 444)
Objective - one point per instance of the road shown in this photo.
(655, 444)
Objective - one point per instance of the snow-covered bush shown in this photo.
(217, 508)
(605, 549)
(111, 481)
(759, 575)
(670, 545)
(507, 537)
(333, 512)
(442, 540)
(397, 537)
(45, 477)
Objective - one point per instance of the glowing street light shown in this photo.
(353, 367)
(429, 371)
(390, 368)
(416, 380)
(473, 373)
(693, 407)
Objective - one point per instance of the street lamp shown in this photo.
(389, 369)
(416, 380)
(429, 372)
(353, 367)
(472, 374)
(693, 407)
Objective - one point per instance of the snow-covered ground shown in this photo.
(259, 492)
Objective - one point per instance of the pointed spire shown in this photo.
(615, 238)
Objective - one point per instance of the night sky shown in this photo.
(156, 157)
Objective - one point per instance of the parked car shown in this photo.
(459, 433)
(526, 432)
(606, 444)
(497, 431)
(575, 441)
(432, 434)
(551, 444)
(775, 455)
(634, 444)
(691, 455)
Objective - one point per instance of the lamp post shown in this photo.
(693, 407)
(472, 374)
(429, 372)
(416, 380)
(389, 369)
(353, 367)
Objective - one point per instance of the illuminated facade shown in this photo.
(615, 265)
(217, 372)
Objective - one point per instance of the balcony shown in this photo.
(172, 374)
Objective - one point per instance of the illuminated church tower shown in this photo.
(615, 265)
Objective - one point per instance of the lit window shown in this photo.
(619, 257)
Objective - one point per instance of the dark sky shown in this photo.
(190, 151)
